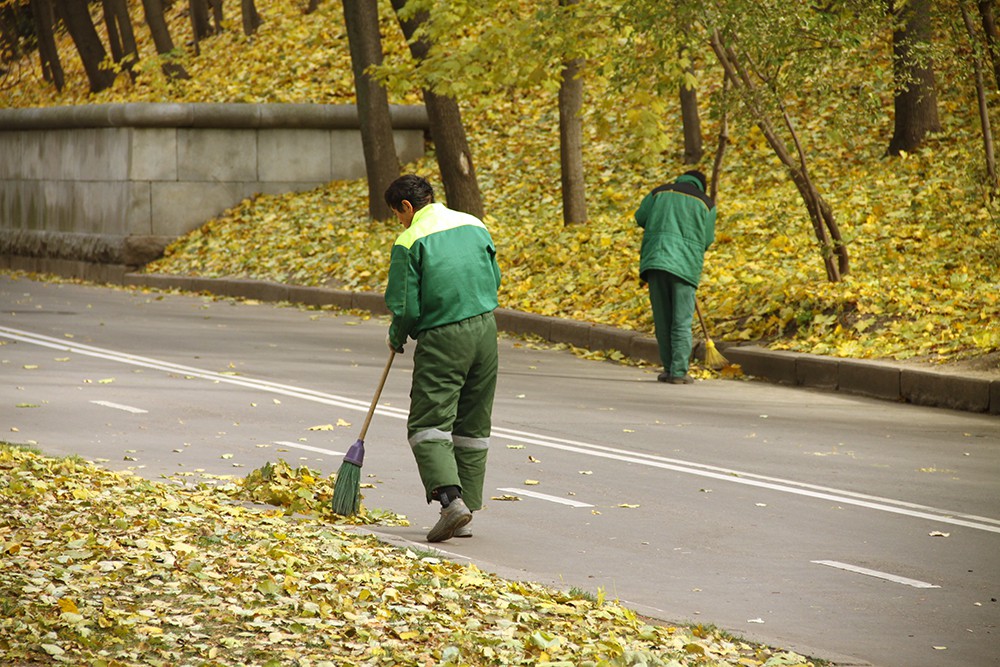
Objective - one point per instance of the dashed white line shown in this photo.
(544, 496)
(119, 406)
(875, 573)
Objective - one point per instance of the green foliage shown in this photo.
(500, 45)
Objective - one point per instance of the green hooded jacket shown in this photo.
(678, 222)
(443, 269)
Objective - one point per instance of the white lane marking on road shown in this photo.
(875, 573)
(544, 496)
(686, 467)
(309, 448)
(762, 481)
(119, 406)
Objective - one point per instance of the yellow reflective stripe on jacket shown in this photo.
(434, 218)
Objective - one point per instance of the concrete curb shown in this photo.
(873, 379)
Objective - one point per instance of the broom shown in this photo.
(347, 490)
(713, 358)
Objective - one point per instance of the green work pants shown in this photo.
(672, 300)
(451, 405)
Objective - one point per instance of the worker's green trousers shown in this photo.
(451, 405)
(672, 300)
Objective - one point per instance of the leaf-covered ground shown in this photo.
(924, 238)
(106, 569)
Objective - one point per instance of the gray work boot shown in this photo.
(464, 531)
(453, 517)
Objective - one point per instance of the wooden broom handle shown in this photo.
(701, 319)
(378, 392)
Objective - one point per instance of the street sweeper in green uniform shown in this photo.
(442, 290)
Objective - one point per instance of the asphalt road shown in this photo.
(855, 530)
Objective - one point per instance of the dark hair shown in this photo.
(411, 188)
(700, 176)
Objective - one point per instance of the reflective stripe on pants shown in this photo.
(451, 405)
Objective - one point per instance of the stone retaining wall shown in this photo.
(113, 184)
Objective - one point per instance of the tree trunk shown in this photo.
(216, 15)
(452, 148)
(121, 38)
(251, 19)
(987, 17)
(574, 197)
(693, 150)
(381, 161)
(76, 16)
(690, 120)
(984, 112)
(8, 37)
(48, 55)
(824, 225)
(200, 27)
(915, 100)
(312, 6)
(162, 39)
(720, 150)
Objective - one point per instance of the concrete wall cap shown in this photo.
(204, 115)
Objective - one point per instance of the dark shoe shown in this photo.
(453, 517)
(674, 379)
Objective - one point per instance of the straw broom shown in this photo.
(347, 490)
(713, 358)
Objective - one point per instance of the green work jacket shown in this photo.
(443, 269)
(678, 223)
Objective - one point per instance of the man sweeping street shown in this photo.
(442, 290)
(678, 223)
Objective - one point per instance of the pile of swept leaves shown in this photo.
(301, 490)
(106, 569)
(924, 237)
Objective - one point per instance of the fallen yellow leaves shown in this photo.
(924, 241)
(150, 573)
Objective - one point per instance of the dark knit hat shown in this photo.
(700, 176)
